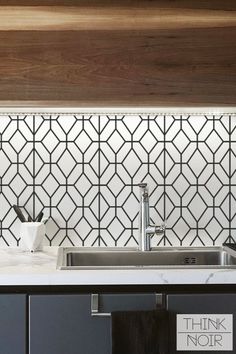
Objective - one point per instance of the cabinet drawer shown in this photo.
(62, 324)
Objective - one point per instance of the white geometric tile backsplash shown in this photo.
(83, 170)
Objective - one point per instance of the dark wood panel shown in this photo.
(194, 4)
(156, 67)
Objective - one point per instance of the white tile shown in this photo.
(172, 153)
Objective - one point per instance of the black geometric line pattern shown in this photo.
(84, 170)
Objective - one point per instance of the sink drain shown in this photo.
(190, 260)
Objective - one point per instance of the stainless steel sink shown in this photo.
(123, 258)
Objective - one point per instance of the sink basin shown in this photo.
(126, 258)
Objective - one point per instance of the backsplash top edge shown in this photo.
(120, 110)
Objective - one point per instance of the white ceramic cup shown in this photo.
(32, 234)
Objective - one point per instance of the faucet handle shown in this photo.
(159, 230)
(142, 185)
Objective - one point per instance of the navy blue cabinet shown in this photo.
(63, 323)
(60, 324)
(13, 324)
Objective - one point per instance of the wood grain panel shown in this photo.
(148, 67)
(108, 53)
(173, 4)
(116, 18)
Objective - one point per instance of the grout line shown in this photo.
(181, 172)
(99, 180)
(50, 171)
(230, 179)
(164, 181)
(213, 167)
(34, 168)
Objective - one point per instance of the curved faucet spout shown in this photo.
(145, 229)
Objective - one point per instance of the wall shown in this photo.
(83, 170)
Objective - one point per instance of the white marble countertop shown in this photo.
(18, 267)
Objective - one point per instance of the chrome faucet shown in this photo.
(145, 229)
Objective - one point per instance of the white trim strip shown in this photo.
(119, 110)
